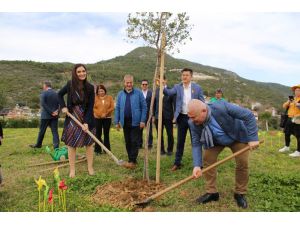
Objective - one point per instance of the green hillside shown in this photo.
(21, 80)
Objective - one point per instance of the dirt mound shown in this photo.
(125, 193)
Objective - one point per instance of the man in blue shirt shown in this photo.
(130, 113)
(214, 127)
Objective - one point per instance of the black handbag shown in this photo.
(283, 118)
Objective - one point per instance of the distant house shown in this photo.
(4, 112)
(19, 112)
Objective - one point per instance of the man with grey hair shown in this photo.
(130, 113)
(49, 115)
(214, 127)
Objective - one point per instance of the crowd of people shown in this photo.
(212, 126)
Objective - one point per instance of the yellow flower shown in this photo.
(40, 183)
(56, 173)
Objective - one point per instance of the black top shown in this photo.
(168, 106)
(88, 107)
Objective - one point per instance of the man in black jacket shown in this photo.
(49, 115)
(167, 118)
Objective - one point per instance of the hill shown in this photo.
(21, 80)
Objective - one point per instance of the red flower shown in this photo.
(50, 198)
(62, 185)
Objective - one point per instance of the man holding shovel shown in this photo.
(216, 126)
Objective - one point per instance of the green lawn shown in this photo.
(274, 177)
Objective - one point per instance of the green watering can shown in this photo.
(58, 153)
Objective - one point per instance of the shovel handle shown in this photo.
(203, 171)
(94, 138)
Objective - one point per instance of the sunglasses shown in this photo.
(144, 84)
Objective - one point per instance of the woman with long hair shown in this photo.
(80, 103)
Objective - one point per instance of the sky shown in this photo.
(257, 46)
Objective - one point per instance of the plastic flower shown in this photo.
(56, 175)
(62, 185)
(50, 198)
(40, 183)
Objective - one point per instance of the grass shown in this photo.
(274, 177)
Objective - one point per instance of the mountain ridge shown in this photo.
(21, 80)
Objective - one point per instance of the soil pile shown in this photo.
(125, 193)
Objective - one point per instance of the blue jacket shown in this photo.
(138, 107)
(49, 103)
(237, 122)
(177, 90)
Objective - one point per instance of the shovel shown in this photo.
(117, 161)
(151, 198)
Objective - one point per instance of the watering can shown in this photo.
(58, 153)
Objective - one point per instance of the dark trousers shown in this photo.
(150, 140)
(132, 138)
(44, 123)
(182, 128)
(292, 129)
(102, 124)
(168, 124)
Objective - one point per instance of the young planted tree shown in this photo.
(163, 31)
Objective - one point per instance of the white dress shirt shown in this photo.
(187, 96)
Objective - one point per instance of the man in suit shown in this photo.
(184, 91)
(214, 127)
(147, 95)
(49, 115)
(167, 118)
(130, 113)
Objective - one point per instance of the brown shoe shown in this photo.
(175, 167)
(130, 165)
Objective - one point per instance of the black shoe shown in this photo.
(169, 153)
(162, 153)
(98, 153)
(35, 146)
(240, 200)
(208, 197)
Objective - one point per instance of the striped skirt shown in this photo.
(73, 135)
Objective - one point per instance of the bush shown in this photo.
(25, 123)
(21, 123)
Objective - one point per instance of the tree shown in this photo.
(162, 30)
(266, 116)
(149, 27)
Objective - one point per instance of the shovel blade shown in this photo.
(143, 203)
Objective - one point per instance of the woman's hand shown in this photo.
(85, 127)
(64, 110)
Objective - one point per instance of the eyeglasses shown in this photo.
(144, 84)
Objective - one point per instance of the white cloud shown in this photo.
(262, 41)
(251, 44)
(83, 45)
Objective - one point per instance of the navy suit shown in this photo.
(49, 104)
(182, 119)
(150, 140)
(167, 119)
